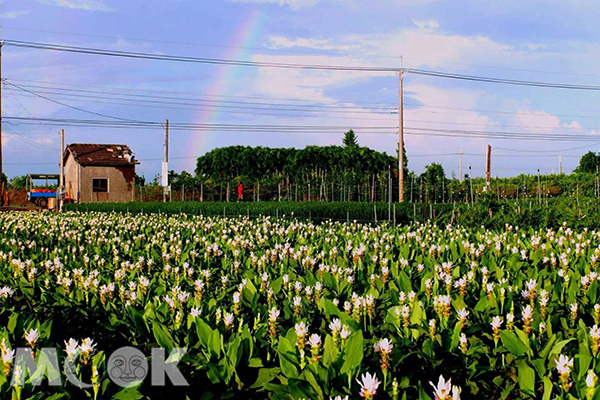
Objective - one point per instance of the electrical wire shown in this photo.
(242, 128)
(293, 52)
(195, 60)
(68, 105)
(382, 105)
(247, 63)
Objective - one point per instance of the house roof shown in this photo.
(101, 154)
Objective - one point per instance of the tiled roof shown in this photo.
(101, 154)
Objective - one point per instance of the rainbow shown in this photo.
(224, 83)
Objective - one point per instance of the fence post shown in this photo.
(347, 216)
(394, 213)
(375, 212)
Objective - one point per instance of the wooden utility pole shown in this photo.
(488, 166)
(460, 164)
(539, 188)
(165, 168)
(400, 140)
(61, 178)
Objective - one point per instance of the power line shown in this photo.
(201, 103)
(325, 101)
(388, 106)
(195, 60)
(242, 128)
(194, 98)
(293, 52)
(141, 100)
(537, 114)
(475, 78)
(26, 140)
(210, 45)
(247, 63)
(67, 105)
(547, 151)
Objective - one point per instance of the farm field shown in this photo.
(491, 213)
(283, 309)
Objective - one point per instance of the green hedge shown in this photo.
(577, 214)
(317, 211)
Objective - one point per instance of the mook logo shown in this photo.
(126, 367)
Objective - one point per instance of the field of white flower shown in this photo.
(283, 309)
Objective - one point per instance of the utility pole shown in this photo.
(560, 164)
(488, 167)
(400, 140)
(61, 178)
(539, 188)
(165, 166)
(471, 184)
(460, 164)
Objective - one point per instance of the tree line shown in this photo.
(348, 172)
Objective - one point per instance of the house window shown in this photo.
(99, 185)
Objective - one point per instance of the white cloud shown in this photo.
(429, 24)
(538, 121)
(87, 5)
(419, 46)
(424, 46)
(280, 42)
(13, 14)
(294, 4)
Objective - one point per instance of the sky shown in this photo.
(545, 41)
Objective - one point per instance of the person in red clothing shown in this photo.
(240, 192)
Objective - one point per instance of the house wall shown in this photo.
(71, 178)
(120, 182)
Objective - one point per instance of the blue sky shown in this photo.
(535, 40)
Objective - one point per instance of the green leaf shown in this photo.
(512, 343)
(353, 353)
(12, 322)
(287, 358)
(310, 378)
(265, 375)
(255, 363)
(404, 282)
(204, 332)
(548, 386)
(558, 347)
(128, 394)
(162, 336)
(216, 343)
(455, 337)
(330, 351)
(526, 376)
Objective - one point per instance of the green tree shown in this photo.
(350, 139)
(18, 182)
(435, 178)
(140, 180)
(589, 162)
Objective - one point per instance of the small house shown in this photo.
(99, 173)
